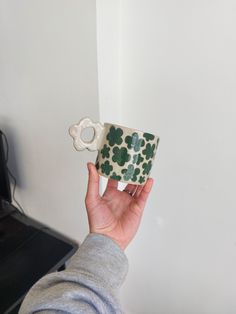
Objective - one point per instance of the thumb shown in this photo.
(92, 195)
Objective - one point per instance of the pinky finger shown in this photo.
(138, 191)
(144, 193)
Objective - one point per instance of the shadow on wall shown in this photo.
(14, 156)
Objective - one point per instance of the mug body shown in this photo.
(126, 154)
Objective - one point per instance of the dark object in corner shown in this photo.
(28, 249)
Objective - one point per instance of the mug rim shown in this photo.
(133, 129)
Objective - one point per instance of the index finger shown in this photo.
(92, 194)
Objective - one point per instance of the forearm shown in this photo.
(89, 284)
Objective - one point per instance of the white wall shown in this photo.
(178, 81)
(108, 56)
(48, 80)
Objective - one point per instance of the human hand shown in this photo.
(116, 214)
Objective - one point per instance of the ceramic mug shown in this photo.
(124, 154)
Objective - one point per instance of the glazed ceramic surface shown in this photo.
(124, 154)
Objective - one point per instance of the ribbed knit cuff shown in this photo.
(103, 259)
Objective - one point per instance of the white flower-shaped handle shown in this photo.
(76, 130)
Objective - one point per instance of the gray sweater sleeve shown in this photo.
(90, 283)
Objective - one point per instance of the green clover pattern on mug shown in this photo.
(148, 136)
(121, 155)
(106, 167)
(149, 150)
(131, 173)
(132, 153)
(105, 151)
(134, 142)
(141, 179)
(114, 176)
(147, 167)
(114, 136)
(137, 159)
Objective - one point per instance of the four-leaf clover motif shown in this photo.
(114, 136)
(121, 155)
(131, 173)
(105, 151)
(149, 150)
(147, 167)
(106, 167)
(134, 141)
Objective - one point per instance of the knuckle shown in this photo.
(86, 200)
(89, 202)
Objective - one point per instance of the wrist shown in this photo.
(122, 244)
